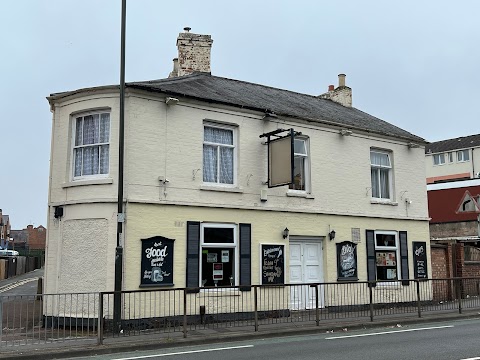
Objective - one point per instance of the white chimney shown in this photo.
(341, 95)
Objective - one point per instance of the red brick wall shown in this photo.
(36, 237)
(471, 269)
(441, 261)
(441, 258)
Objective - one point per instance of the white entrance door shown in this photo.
(306, 266)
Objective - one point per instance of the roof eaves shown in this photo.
(318, 121)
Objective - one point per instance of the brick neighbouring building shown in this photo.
(30, 238)
(454, 229)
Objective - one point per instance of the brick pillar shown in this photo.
(460, 259)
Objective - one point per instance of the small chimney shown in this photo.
(341, 95)
(193, 53)
(174, 72)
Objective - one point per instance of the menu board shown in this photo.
(347, 261)
(272, 264)
(420, 260)
(157, 262)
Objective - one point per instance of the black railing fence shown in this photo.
(50, 318)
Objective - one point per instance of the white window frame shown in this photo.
(395, 248)
(234, 129)
(463, 156)
(438, 159)
(234, 246)
(74, 118)
(390, 174)
(307, 162)
(450, 157)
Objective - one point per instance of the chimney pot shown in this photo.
(331, 87)
(341, 80)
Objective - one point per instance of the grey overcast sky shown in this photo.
(412, 63)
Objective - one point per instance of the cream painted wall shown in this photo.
(80, 254)
(166, 141)
(451, 168)
(147, 220)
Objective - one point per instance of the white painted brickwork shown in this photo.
(166, 141)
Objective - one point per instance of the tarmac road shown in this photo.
(454, 340)
(25, 284)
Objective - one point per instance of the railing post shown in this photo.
(100, 320)
(184, 313)
(459, 292)
(1, 317)
(255, 306)
(418, 299)
(370, 290)
(317, 315)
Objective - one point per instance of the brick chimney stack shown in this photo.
(193, 54)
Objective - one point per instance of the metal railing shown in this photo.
(89, 317)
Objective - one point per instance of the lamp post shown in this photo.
(117, 297)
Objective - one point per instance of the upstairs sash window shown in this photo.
(381, 172)
(91, 150)
(218, 155)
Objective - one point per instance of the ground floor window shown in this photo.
(218, 254)
(386, 255)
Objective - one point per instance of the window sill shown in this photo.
(300, 194)
(221, 188)
(87, 182)
(384, 202)
(218, 292)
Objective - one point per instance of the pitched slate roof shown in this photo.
(463, 142)
(206, 87)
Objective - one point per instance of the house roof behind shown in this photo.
(462, 142)
(205, 87)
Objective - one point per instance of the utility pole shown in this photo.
(117, 297)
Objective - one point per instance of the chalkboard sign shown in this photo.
(347, 261)
(420, 260)
(272, 259)
(157, 262)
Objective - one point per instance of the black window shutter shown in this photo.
(245, 257)
(193, 255)
(404, 257)
(371, 261)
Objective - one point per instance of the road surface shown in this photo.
(25, 284)
(430, 341)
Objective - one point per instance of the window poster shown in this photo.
(391, 274)
(212, 257)
(420, 259)
(157, 262)
(347, 261)
(272, 265)
(386, 258)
